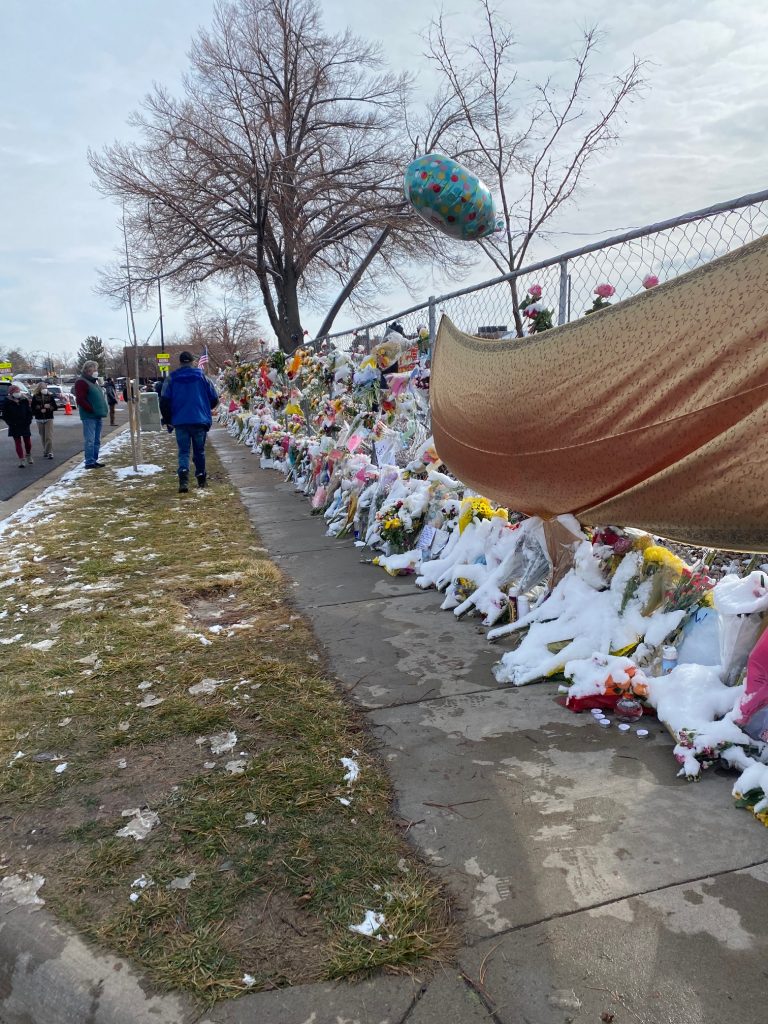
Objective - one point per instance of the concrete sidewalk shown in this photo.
(589, 880)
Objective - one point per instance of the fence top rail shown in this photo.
(625, 236)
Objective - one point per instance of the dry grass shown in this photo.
(272, 899)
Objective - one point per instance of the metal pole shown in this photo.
(562, 303)
(160, 304)
(432, 321)
(134, 396)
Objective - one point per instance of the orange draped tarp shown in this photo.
(652, 413)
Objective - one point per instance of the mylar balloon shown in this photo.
(449, 196)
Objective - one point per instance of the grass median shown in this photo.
(157, 676)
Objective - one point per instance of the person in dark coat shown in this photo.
(111, 392)
(17, 413)
(92, 407)
(43, 407)
(186, 403)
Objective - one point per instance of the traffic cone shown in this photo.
(68, 408)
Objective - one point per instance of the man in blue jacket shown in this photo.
(186, 403)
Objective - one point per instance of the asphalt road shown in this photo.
(67, 441)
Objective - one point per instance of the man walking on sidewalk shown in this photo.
(92, 406)
(186, 403)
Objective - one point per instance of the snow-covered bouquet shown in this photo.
(477, 509)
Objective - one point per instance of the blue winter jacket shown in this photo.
(187, 398)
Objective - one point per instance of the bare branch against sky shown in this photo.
(76, 74)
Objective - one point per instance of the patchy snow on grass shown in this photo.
(353, 770)
(22, 890)
(144, 469)
(141, 824)
(205, 686)
(370, 925)
(222, 742)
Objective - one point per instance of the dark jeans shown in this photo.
(194, 435)
(91, 439)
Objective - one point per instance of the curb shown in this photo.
(36, 488)
(49, 975)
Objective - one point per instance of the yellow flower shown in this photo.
(478, 508)
(663, 557)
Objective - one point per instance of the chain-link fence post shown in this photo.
(562, 302)
(432, 320)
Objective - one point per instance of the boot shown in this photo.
(201, 478)
(183, 481)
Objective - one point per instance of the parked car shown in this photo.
(62, 395)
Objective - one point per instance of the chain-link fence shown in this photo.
(568, 281)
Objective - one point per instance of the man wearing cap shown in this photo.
(92, 407)
(186, 403)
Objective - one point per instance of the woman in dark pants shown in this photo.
(17, 413)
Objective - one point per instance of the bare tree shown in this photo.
(230, 330)
(530, 141)
(21, 361)
(282, 163)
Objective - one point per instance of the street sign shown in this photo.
(6, 370)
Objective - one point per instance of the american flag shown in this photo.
(202, 362)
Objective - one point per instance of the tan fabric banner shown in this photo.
(652, 413)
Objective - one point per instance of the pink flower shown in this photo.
(535, 291)
(605, 291)
(650, 281)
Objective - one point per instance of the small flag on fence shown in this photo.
(202, 362)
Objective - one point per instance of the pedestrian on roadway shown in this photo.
(43, 407)
(17, 413)
(111, 392)
(92, 406)
(186, 403)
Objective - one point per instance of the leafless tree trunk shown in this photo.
(532, 153)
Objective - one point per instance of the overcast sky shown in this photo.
(71, 72)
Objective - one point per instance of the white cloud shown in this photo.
(77, 70)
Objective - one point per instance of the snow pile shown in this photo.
(144, 469)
